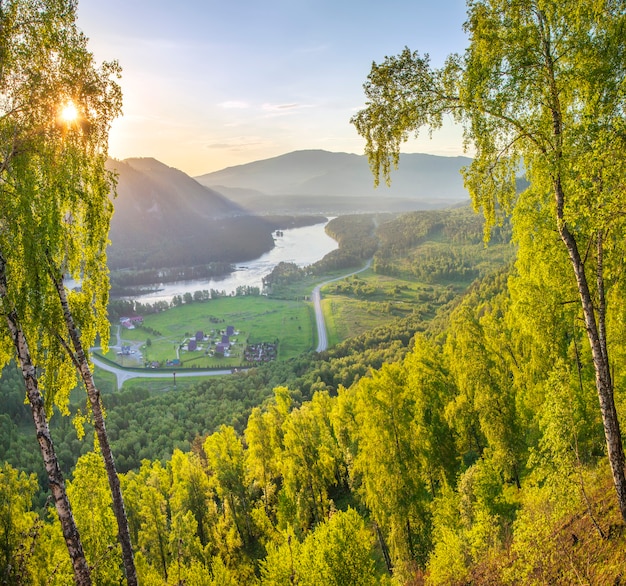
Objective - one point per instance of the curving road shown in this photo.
(123, 374)
(316, 297)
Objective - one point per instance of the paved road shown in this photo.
(123, 374)
(316, 297)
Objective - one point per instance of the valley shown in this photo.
(427, 389)
(170, 380)
(355, 308)
(431, 274)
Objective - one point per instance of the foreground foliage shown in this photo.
(541, 85)
(476, 456)
(56, 107)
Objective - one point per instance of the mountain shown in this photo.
(161, 190)
(341, 181)
(164, 218)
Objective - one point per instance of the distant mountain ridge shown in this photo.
(425, 180)
(147, 186)
(164, 218)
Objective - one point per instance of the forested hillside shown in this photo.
(458, 457)
(474, 437)
(449, 450)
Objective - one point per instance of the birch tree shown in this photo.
(541, 84)
(56, 107)
(388, 463)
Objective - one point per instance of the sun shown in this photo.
(69, 113)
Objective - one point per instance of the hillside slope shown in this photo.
(165, 218)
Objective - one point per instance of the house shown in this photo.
(225, 340)
(230, 330)
(192, 345)
(199, 336)
(131, 322)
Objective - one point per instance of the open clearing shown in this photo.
(289, 324)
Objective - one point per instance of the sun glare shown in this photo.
(69, 113)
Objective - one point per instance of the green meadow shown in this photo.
(163, 335)
(351, 306)
(365, 301)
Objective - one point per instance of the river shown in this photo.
(302, 246)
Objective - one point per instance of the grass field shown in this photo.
(302, 289)
(162, 385)
(360, 303)
(256, 319)
(105, 381)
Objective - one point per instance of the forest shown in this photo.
(476, 440)
(442, 449)
(456, 453)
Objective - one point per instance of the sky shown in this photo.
(210, 84)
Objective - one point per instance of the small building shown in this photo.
(131, 322)
(230, 330)
(225, 339)
(221, 349)
(192, 345)
(199, 336)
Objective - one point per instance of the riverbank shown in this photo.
(304, 246)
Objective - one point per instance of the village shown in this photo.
(212, 348)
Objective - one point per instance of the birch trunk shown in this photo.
(595, 326)
(595, 317)
(55, 478)
(80, 360)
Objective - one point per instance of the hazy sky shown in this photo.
(213, 83)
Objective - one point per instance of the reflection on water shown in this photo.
(302, 246)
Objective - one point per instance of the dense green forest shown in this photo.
(442, 449)
(474, 440)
